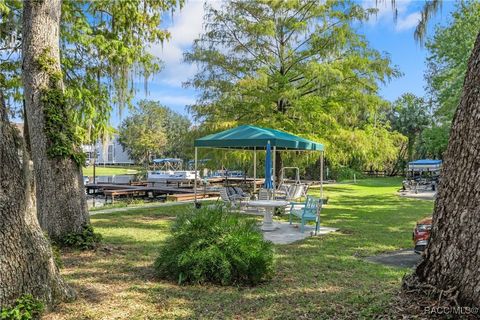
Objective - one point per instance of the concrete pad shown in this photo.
(405, 258)
(286, 233)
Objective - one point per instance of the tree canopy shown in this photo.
(298, 66)
(449, 49)
(153, 130)
(104, 49)
(410, 116)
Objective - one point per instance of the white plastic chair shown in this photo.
(264, 194)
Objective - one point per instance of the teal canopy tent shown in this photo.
(252, 137)
(248, 137)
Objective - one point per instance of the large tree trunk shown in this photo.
(26, 260)
(60, 193)
(453, 256)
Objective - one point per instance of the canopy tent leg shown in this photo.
(254, 169)
(195, 182)
(273, 173)
(321, 174)
(321, 189)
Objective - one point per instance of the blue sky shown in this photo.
(396, 39)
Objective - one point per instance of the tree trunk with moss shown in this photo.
(26, 259)
(453, 255)
(56, 155)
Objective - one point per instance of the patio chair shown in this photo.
(264, 194)
(292, 192)
(226, 198)
(297, 191)
(306, 211)
(231, 198)
(240, 194)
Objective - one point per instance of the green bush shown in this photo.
(85, 240)
(211, 245)
(345, 173)
(25, 308)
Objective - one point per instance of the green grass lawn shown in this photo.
(319, 278)
(110, 171)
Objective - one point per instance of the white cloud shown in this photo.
(408, 22)
(176, 100)
(385, 14)
(186, 26)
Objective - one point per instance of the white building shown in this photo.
(112, 153)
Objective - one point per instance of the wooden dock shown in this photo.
(110, 191)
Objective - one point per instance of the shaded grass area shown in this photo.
(110, 171)
(319, 278)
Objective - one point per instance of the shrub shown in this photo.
(211, 245)
(25, 308)
(345, 173)
(85, 240)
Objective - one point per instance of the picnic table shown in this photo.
(269, 205)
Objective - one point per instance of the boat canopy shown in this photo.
(167, 160)
(425, 165)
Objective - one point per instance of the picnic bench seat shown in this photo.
(123, 192)
(187, 196)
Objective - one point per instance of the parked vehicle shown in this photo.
(421, 234)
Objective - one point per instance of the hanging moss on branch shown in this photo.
(60, 129)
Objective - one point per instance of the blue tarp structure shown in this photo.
(425, 162)
(425, 165)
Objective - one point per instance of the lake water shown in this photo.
(123, 178)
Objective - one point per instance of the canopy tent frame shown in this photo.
(322, 155)
(254, 138)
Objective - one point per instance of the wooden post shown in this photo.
(254, 169)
